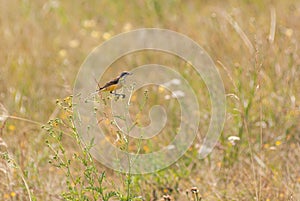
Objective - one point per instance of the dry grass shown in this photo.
(255, 45)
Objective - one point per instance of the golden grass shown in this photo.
(254, 44)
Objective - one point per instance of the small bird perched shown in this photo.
(115, 84)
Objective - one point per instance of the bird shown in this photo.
(115, 84)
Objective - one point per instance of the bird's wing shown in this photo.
(115, 81)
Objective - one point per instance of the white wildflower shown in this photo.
(233, 139)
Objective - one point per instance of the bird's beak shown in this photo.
(130, 73)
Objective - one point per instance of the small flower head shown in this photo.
(62, 53)
(89, 23)
(127, 27)
(233, 139)
(194, 190)
(95, 34)
(167, 198)
(73, 43)
(106, 36)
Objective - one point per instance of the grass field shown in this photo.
(255, 46)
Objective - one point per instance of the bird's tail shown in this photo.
(100, 89)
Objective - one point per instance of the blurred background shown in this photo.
(254, 44)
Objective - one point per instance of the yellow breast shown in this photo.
(113, 87)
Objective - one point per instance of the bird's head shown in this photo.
(125, 74)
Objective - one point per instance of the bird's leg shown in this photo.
(117, 95)
(123, 95)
